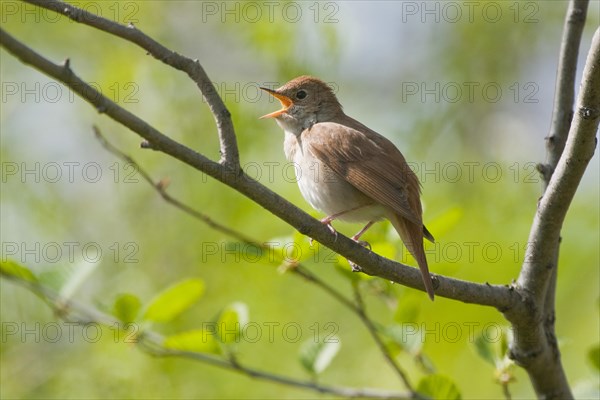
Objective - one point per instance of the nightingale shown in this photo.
(346, 170)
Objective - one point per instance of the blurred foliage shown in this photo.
(438, 387)
(475, 158)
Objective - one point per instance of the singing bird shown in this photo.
(346, 170)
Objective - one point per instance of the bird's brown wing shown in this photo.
(369, 162)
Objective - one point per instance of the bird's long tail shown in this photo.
(412, 236)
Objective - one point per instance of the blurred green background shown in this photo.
(465, 89)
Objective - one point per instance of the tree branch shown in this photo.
(564, 97)
(562, 114)
(152, 343)
(499, 296)
(523, 304)
(161, 188)
(553, 206)
(228, 144)
(534, 348)
(362, 313)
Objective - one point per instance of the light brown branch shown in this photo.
(228, 144)
(562, 114)
(564, 97)
(499, 296)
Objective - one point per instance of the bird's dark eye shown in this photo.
(301, 94)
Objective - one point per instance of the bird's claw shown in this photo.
(364, 244)
(327, 222)
(355, 267)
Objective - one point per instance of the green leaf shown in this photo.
(231, 322)
(199, 340)
(10, 267)
(594, 356)
(174, 300)
(316, 356)
(126, 307)
(438, 387)
(485, 349)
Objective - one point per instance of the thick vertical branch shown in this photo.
(533, 347)
(562, 114)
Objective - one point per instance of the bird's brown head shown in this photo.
(305, 101)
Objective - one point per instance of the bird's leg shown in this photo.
(356, 267)
(330, 218)
(360, 233)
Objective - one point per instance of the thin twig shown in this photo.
(152, 343)
(499, 296)
(564, 97)
(362, 313)
(309, 276)
(161, 188)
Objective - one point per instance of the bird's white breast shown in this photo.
(324, 189)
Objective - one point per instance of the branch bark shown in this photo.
(564, 97)
(562, 114)
(499, 296)
(535, 347)
(230, 158)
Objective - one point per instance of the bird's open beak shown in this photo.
(285, 103)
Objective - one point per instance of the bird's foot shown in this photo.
(355, 267)
(363, 243)
(327, 221)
